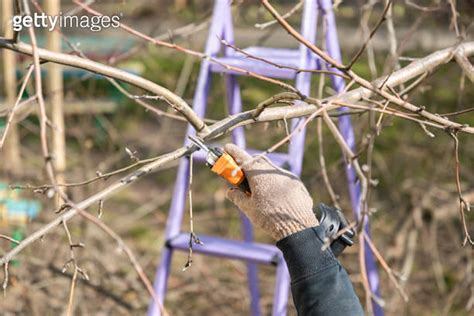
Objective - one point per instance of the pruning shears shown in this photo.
(223, 165)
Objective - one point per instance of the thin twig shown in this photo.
(386, 267)
(5, 278)
(104, 176)
(39, 93)
(300, 38)
(280, 66)
(319, 130)
(414, 84)
(9, 239)
(263, 26)
(458, 112)
(71, 294)
(423, 8)
(193, 52)
(364, 23)
(387, 110)
(192, 236)
(285, 96)
(365, 280)
(371, 34)
(465, 64)
(17, 102)
(454, 19)
(364, 83)
(463, 204)
(101, 209)
(136, 265)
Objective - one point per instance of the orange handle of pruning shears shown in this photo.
(227, 168)
(223, 164)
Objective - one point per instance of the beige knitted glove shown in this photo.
(279, 203)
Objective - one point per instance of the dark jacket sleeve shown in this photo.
(319, 284)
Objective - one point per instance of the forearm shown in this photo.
(319, 284)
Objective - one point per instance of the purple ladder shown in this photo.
(247, 250)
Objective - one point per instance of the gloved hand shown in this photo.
(279, 203)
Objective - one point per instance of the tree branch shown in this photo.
(69, 60)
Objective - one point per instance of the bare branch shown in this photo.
(300, 38)
(298, 70)
(371, 34)
(136, 265)
(71, 293)
(366, 84)
(9, 239)
(463, 204)
(69, 60)
(39, 94)
(386, 267)
(15, 106)
(193, 239)
(193, 52)
(454, 19)
(102, 195)
(265, 25)
(465, 64)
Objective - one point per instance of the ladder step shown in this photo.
(254, 66)
(266, 52)
(279, 56)
(286, 57)
(235, 249)
(278, 159)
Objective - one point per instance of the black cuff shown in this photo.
(303, 253)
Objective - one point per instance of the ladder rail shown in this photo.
(177, 207)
